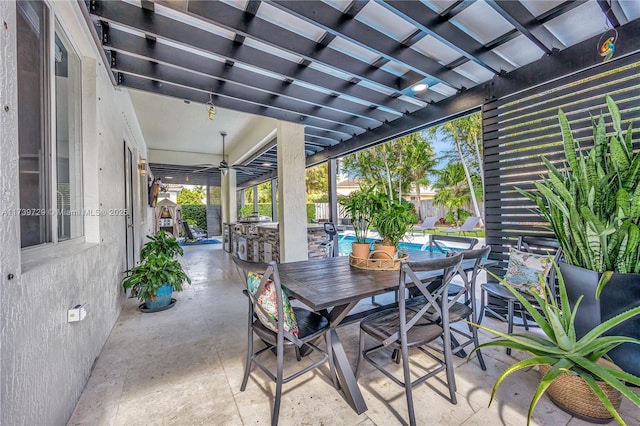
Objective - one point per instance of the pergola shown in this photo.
(359, 73)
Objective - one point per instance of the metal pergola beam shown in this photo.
(180, 92)
(325, 118)
(430, 22)
(581, 57)
(234, 19)
(334, 21)
(162, 27)
(123, 42)
(520, 17)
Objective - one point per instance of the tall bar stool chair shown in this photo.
(414, 326)
(279, 325)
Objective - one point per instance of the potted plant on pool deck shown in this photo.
(592, 205)
(575, 372)
(359, 205)
(392, 218)
(158, 275)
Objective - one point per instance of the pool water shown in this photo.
(344, 245)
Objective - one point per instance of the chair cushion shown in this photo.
(310, 326)
(525, 268)
(498, 290)
(267, 300)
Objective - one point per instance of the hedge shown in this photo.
(196, 213)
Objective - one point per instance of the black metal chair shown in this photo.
(311, 327)
(496, 296)
(449, 243)
(414, 326)
(466, 306)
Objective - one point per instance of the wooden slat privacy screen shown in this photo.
(520, 129)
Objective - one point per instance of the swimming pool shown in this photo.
(344, 245)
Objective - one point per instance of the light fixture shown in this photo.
(420, 87)
(224, 171)
(142, 166)
(168, 177)
(211, 109)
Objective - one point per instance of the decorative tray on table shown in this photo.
(378, 264)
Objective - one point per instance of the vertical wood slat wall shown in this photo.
(520, 129)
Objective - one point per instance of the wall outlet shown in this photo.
(77, 313)
(73, 314)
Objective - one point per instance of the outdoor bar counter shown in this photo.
(260, 242)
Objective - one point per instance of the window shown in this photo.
(49, 129)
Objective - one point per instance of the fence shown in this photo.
(427, 209)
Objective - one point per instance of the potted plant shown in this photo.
(359, 205)
(392, 219)
(161, 243)
(158, 274)
(592, 205)
(595, 386)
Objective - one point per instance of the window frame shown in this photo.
(54, 25)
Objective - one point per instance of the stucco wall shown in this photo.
(45, 361)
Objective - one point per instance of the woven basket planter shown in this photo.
(573, 395)
(378, 264)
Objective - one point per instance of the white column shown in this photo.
(228, 197)
(292, 211)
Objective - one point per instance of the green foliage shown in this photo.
(392, 218)
(593, 203)
(317, 183)
(452, 192)
(458, 216)
(161, 244)
(156, 271)
(392, 167)
(562, 350)
(158, 267)
(360, 206)
(264, 209)
(195, 213)
(188, 196)
(311, 212)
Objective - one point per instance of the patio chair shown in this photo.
(428, 224)
(279, 325)
(189, 233)
(495, 296)
(469, 225)
(414, 326)
(465, 306)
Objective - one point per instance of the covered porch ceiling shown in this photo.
(347, 70)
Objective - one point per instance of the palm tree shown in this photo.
(452, 189)
(466, 134)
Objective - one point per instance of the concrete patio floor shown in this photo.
(184, 366)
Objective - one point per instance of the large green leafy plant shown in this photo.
(161, 243)
(360, 206)
(392, 218)
(155, 272)
(562, 351)
(158, 267)
(593, 203)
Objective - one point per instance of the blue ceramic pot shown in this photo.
(163, 298)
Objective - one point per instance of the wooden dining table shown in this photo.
(333, 287)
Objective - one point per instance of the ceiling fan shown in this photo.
(224, 166)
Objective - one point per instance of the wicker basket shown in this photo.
(573, 395)
(378, 264)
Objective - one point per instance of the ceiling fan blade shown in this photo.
(205, 169)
